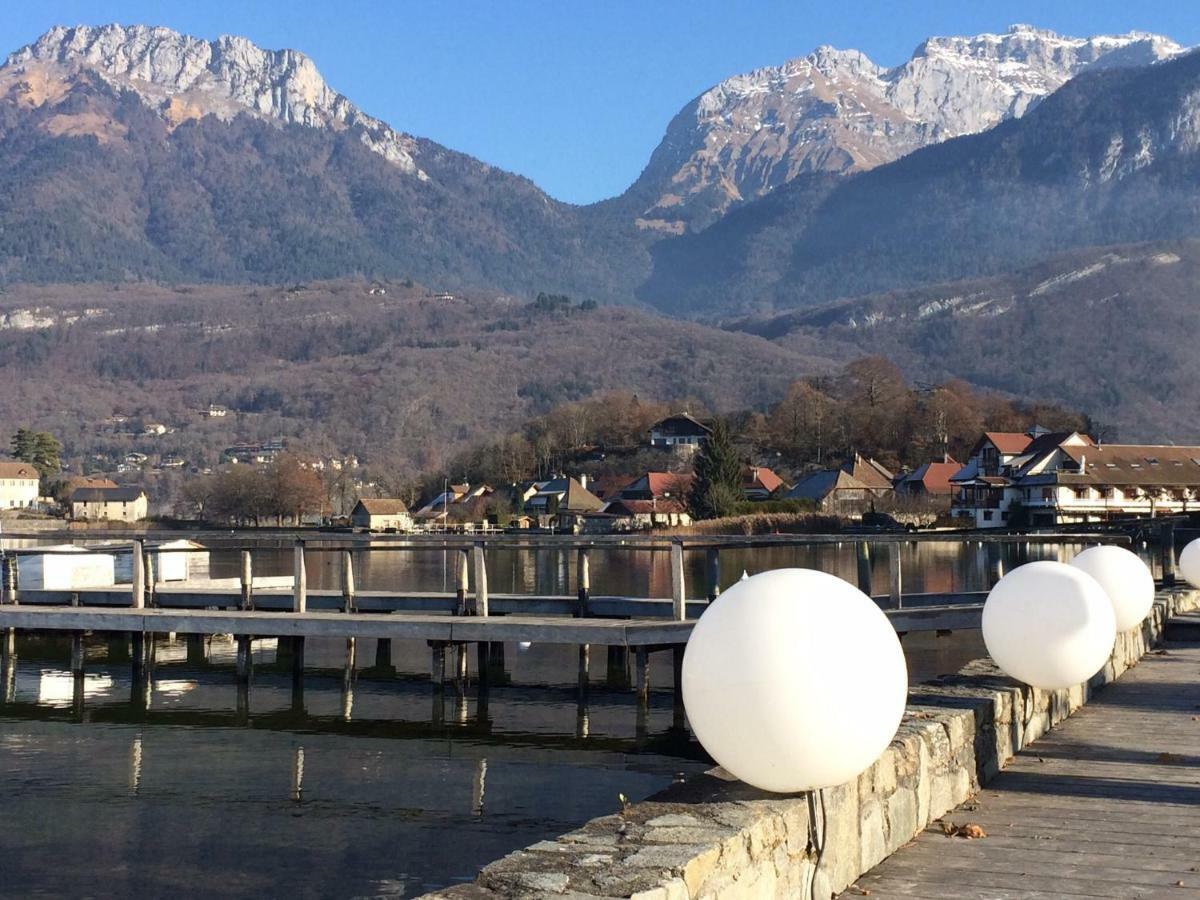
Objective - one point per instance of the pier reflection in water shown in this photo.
(929, 567)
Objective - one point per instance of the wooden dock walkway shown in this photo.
(1106, 805)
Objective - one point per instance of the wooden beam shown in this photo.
(347, 581)
(678, 586)
(584, 578)
(481, 580)
(137, 586)
(247, 582)
(300, 580)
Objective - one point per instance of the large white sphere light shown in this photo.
(1189, 563)
(794, 680)
(1124, 577)
(1049, 624)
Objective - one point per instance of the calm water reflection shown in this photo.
(368, 784)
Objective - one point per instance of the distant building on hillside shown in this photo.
(18, 485)
(679, 432)
(656, 499)
(381, 514)
(1043, 479)
(116, 504)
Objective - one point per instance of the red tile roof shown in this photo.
(935, 476)
(762, 477)
(1009, 441)
(20, 470)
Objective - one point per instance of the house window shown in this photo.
(1105, 492)
(987, 515)
(1081, 493)
(1047, 493)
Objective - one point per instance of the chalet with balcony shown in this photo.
(1069, 479)
(680, 432)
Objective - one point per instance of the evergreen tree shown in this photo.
(39, 448)
(23, 445)
(46, 454)
(716, 488)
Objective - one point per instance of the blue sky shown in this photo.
(574, 95)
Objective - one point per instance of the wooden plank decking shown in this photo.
(1106, 805)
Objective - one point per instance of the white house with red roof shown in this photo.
(18, 485)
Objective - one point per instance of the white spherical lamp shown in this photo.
(794, 680)
(1049, 624)
(1124, 577)
(1189, 563)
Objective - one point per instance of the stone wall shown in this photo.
(714, 837)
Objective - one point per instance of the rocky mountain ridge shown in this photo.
(185, 78)
(836, 111)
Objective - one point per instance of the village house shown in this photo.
(1064, 478)
(759, 483)
(116, 504)
(216, 411)
(561, 502)
(457, 503)
(18, 485)
(929, 481)
(381, 514)
(851, 490)
(680, 432)
(653, 500)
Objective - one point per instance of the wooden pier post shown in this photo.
(137, 587)
(437, 673)
(383, 653)
(137, 656)
(617, 675)
(585, 664)
(347, 581)
(584, 578)
(712, 567)
(297, 654)
(77, 654)
(300, 581)
(245, 659)
(641, 667)
(1167, 553)
(8, 579)
(148, 569)
(461, 669)
(461, 582)
(8, 645)
(895, 577)
(862, 554)
(678, 588)
(195, 649)
(247, 579)
(481, 581)
(678, 715)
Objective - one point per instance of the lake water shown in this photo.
(368, 784)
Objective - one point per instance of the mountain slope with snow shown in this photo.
(835, 111)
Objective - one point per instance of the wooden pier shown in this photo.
(631, 628)
(1106, 805)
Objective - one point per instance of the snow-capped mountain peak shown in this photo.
(184, 77)
(836, 111)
